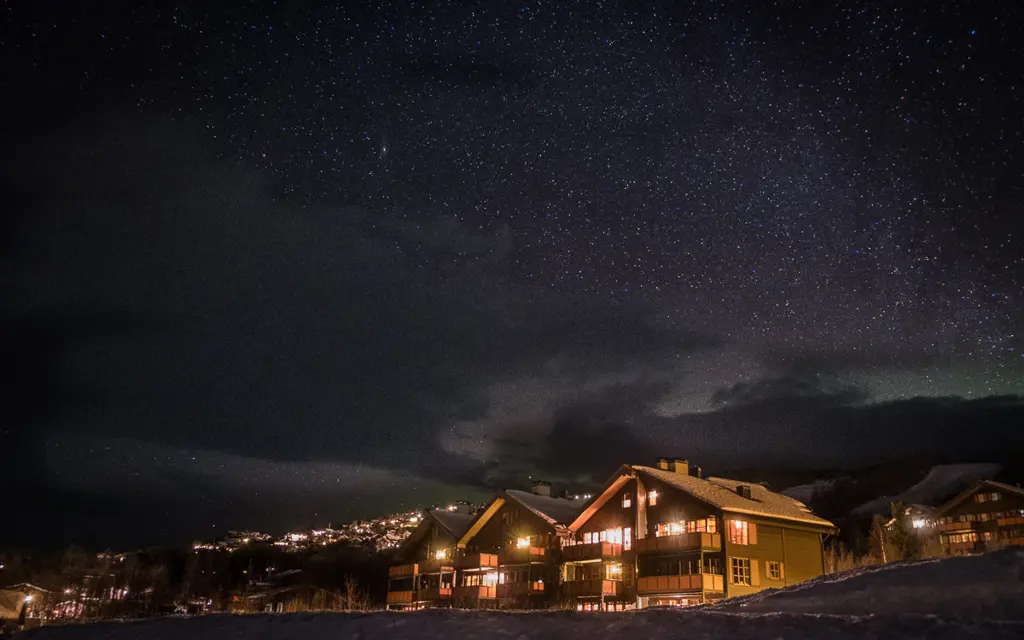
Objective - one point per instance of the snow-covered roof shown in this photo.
(556, 511)
(721, 494)
(456, 523)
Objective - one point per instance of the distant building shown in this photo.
(989, 515)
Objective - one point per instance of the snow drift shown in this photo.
(971, 597)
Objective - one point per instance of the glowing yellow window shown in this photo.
(522, 543)
(652, 497)
(440, 554)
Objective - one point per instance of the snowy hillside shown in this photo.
(971, 597)
(804, 492)
(941, 483)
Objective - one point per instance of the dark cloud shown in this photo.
(838, 361)
(818, 389)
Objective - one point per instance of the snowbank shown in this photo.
(961, 598)
(989, 586)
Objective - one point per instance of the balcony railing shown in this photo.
(592, 551)
(476, 592)
(680, 542)
(958, 526)
(583, 588)
(403, 570)
(678, 584)
(1009, 522)
(400, 597)
(433, 565)
(477, 561)
(432, 594)
(517, 589)
(521, 555)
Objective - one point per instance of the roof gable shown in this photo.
(557, 512)
(970, 491)
(720, 493)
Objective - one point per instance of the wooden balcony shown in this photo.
(434, 594)
(680, 542)
(479, 592)
(680, 584)
(436, 566)
(592, 551)
(520, 589)
(400, 597)
(1010, 522)
(403, 570)
(957, 526)
(477, 561)
(585, 588)
(521, 555)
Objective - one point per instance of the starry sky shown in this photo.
(270, 265)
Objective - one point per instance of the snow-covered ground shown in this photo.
(972, 597)
(940, 483)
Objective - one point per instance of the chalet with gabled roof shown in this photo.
(509, 556)
(425, 576)
(986, 516)
(665, 535)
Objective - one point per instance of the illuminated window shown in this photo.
(490, 579)
(522, 543)
(652, 497)
(627, 538)
(773, 570)
(614, 572)
(440, 554)
(739, 532)
(739, 570)
(627, 500)
(588, 538)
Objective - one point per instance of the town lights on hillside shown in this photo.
(452, 507)
(522, 543)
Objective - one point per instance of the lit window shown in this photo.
(440, 554)
(675, 528)
(627, 538)
(995, 496)
(774, 570)
(522, 543)
(614, 571)
(588, 538)
(739, 532)
(490, 579)
(627, 500)
(739, 570)
(919, 524)
(652, 497)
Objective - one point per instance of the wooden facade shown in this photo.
(426, 574)
(989, 515)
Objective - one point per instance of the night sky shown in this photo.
(275, 265)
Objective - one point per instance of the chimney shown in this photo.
(541, 488)
(743, 491)
(675, 465)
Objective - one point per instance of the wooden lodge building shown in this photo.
(988, 515)
(653, 536)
